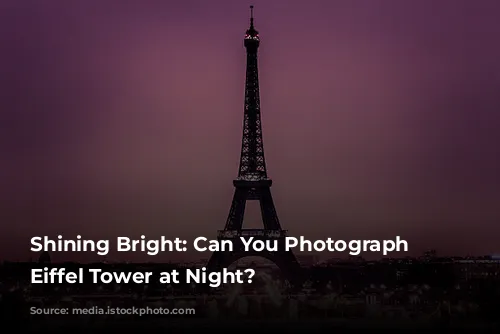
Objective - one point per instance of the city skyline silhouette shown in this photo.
(379, 121)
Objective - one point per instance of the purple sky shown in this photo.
(380, 118)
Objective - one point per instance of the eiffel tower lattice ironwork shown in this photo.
(253, 183)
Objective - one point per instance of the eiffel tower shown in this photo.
(253, 184)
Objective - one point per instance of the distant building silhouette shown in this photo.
(44, 258)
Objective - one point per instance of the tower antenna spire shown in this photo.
(251, 16)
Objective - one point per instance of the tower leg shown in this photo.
(285, 261)
(237, 212)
